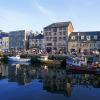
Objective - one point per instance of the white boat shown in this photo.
(17, 62)
(46, 60)
(18, 59)
(43, 58)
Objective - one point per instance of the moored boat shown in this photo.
(76, 62)
(45, 60)
(18, 59)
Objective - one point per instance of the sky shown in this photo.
(36, 14)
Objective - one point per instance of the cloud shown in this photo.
(45, 11)
(14, 19)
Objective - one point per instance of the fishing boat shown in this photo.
(18, 59)
(76, 62)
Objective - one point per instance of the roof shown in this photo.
(59, 24)
(88, 33)
(39, 36)
(17, 31)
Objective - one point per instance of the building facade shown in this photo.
(81, 41)
(56, 37)
(4, 41)
(36, 42)
(17, 40)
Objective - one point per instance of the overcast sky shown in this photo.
(36, 14)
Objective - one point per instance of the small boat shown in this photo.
(17, 62)
(18, 59)
(45, 60)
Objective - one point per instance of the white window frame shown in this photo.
(88, 37)
(73, 37)
(95, 37)
(82, 37)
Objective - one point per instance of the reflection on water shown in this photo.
(3, 71)
(54, 80)
(58, 80)
(19, 74)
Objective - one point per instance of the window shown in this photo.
(64, 38)
(64, 28)
(88, 37)
(95, 37)
(55, 33)
(39, 45)
(40, 40)
(55, 39)
(60, 33)
(60, 38)
(50, 38)
(82, 37)
(47, 29)
(50, 33)
(73, 37)
(54, 29)
(64, 33)
(46, 33)
(60, 28)
(49, 44)
(36, 45)
(36, 40)
(55, 43)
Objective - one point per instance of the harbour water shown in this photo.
(41, 82)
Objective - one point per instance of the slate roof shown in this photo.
(59, 24)
(40, 36)
(88, 33)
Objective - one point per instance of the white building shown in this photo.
(82, 41)
(36, 42)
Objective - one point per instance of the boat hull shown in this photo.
(50, 62)
(18, 60)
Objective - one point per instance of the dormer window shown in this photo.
(88, 37)
(73, 37)
(82, 37)
(95, 37)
